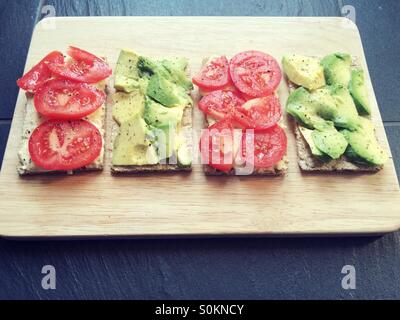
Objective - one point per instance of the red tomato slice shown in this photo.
(66, 100)
(84, 67)
(65, 145)
(220, 104)
(255, 73)
(259, 114)
(216, 146)
(269, 147)
(40, 73)
(229, 87)
(245, 97)
(214, 75)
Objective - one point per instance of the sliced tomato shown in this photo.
(264, 149)
(84, 67)
(214, 75)
(244, 96)
(217, 146)
(65, 145)
(255, 73)
(229, 87)
(66, 100)
(220, 104)
(259, 113)
(40, 73)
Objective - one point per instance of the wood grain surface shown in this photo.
(103, 205)
(218, 268)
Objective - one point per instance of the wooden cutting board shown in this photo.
(98, 204)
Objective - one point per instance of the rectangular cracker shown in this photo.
(273, 171)
(32, 119)
(309, 163)
(186, 125)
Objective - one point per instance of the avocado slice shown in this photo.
(337, 69)
(133, 145)
(364, 144)
(304, 71)
(127, 105)
(307, 135)
(168, 69)
(358, 91)
(324, 103)
(157, 115)
(330, 141)
(177, 74)
(300, 105)
(184, 156)
(185, 147)
(167, 93)
(126, 71)
(330, 103)
(170, 141)
(347, 115)
(352, 156)
(163, 139)
(178, 63)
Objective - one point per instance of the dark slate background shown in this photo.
(239, 268)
